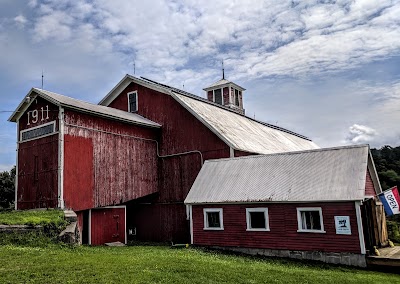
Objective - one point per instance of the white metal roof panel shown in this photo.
(331, 174)
(243, 133)
(90, 108)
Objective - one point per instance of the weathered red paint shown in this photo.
(38, 162)
(239, 153)
(225, 92)
(107, 162)
(210, 96)
(181, 132)
(107, 225)
(369, 185)
(283, 228)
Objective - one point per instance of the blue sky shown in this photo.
(329, 70)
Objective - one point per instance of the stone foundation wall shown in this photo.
(351, 259)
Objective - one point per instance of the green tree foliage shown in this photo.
(7, 188)
(387, 163)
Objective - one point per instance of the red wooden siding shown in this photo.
(113, 168)
(369, 186)
(180, 132)
(107, 225)
(242, 153)
(210, 96)
(38, 162)
(283, 228)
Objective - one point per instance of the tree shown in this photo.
(7, 188)
(387, 162)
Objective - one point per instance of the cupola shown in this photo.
(226, 93)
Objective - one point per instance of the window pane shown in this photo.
(213, 220)
(218, 96)
(311, 220)
(236, 97)
(132, 102)
(257, 220)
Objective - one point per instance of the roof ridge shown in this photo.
(190, 95)
(291, 152)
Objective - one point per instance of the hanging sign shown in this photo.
(342, 225)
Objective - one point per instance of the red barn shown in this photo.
(126, 165)
(304, 204)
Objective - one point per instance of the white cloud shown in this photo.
(20, 20)
(360, 134)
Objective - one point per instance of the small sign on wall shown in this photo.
(342, 225)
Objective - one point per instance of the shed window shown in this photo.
(132, 102)
(310, 219)
(213, 219)
(218, 96)
(257, 219)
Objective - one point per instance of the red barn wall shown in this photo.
(283, 228)
(226, 95)
(238, 153)
(181, 132)
(102, 169)
(38, 161)
(369, 185)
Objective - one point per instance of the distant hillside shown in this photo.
(387, 163)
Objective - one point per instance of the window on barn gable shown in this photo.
(132, 102)
(218, 96)
(257, 219)
(213, 219)
(309, 219)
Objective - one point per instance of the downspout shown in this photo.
(61, 158)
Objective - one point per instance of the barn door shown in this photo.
(107, 225)
(374, 224)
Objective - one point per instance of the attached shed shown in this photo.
(306, 204)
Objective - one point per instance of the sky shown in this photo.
(329, 70)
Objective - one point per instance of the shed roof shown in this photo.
(331, 174)
(236, 130)
(82, 106)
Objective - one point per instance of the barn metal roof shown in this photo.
(243, 133)
(82, 106)
(330, 174)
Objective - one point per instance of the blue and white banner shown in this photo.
(391, 201)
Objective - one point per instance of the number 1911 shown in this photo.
(33, 116)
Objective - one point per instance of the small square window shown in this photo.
(132, 102)
(310, 220)
(213, 219)
(257, 219)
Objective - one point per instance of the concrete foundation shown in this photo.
(351, 259)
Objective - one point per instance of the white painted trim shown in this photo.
(126, 233)
(191, 223)
(90, 227)
(373, 173)
(360, 227)
(231, 152)
(16, 170)
(36, 127)
(129, 104)
(61, 158)
(221, 218)
(300, 221)
(266, 216)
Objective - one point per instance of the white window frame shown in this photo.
(300, 221)
(137, 102)
(221, 218)
(248, 219)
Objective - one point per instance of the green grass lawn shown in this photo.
(160, 264)
(32, 217)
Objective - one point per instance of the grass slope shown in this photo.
(157, 264)
(32, 217)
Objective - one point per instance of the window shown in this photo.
(132, 102)
(218, 96)
(257, 219)
(213, 219)
(309, 219)
(237, 94)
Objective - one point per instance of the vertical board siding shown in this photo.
(107, 225)
(369, 185)
(181, 132)
(38, 184)
(226, 96)
(116, 168)
(283, 228)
